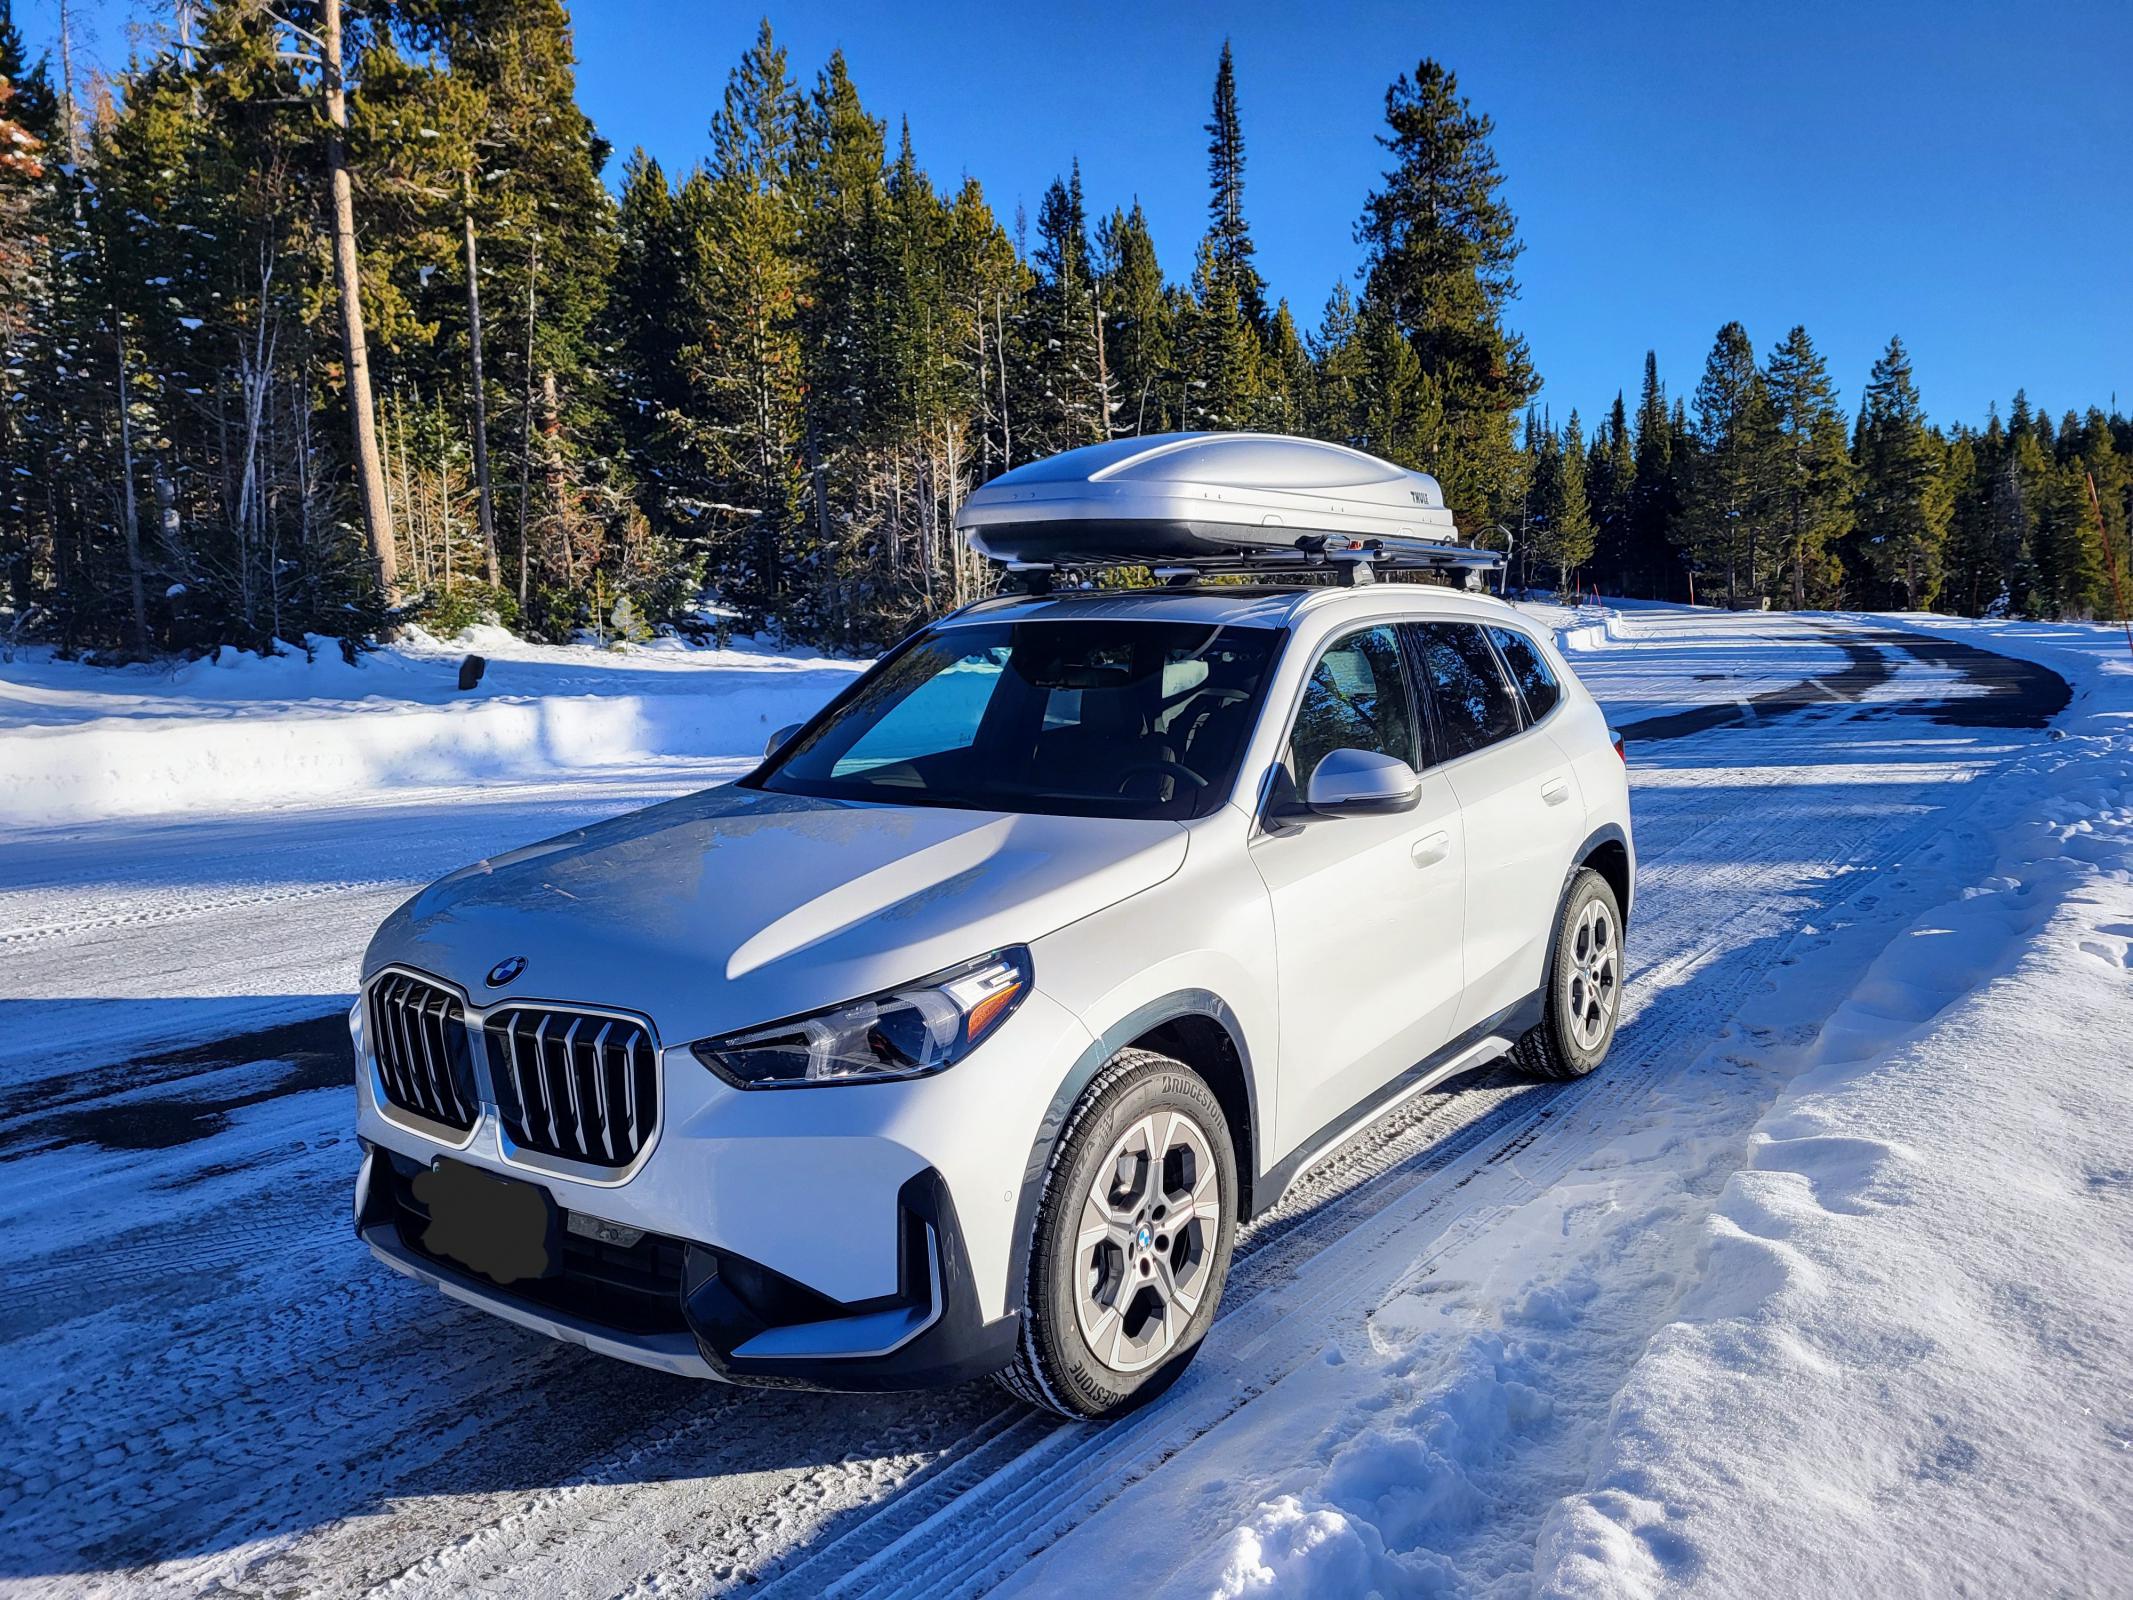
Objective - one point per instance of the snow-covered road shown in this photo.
(1415, 1380)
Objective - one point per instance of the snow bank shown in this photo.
(238, 731)
(1902, 1362)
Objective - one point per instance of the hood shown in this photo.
(734, 906)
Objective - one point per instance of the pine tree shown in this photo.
(1904, 503)
(1400, 408)
(2108, 473)
(2070, 572)
(540, 232)
(1558, 516)
(1611, 481)
(2073, 568)
(1219, 355)
(1441, 245)
(1727, 513)
(2016, 484)
(1657, 492)
(1137, 323)
(26, 118)
(1813, 470)
(1229, 238)
(1337, 358)
(1970, 576)
(746, 362)
(1288, 399)
(1069, 400)
(643, 314)
(984, 279)
(844, 311)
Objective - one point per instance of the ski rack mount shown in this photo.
(1189, 506)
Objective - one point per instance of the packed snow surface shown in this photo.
(1823, 1285)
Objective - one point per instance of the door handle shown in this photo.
(1555, 791)
(1428, 852)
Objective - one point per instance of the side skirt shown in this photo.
(1484, 1042)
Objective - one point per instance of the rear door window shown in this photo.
(1529, 670)
(1474, 702)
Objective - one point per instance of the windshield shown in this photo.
(1091, 718)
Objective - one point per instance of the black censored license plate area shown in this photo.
(499, 1227)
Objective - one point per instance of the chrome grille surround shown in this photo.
(421, 1057)
(594, 1124)
(575, 1087)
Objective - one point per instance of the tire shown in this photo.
(1584, 983)
(1110, 1322)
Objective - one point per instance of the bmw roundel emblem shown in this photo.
(504, 971)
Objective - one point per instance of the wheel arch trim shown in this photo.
(1178, 1006)
(1606, 834)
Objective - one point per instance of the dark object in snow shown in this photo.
(470, 671)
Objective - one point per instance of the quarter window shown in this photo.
(1474, 703)
(1356, 700)
(1529, 670)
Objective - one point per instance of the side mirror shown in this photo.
(782, 736)
(1362, 783)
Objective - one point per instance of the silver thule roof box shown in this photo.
(1195, 504)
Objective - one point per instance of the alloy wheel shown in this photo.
(1149, 1226)
(1593, 978)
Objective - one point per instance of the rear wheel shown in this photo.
(1132, 1243)
(1584, 996)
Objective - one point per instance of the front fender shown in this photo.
(1178, 1005)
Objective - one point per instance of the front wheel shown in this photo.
(1132, 1241)
(1584, 996)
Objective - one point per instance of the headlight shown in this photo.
(909, 1032)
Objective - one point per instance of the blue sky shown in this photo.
(1955, 172)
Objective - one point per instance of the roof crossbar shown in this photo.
(1347, 561)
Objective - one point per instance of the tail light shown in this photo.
(1616, 735)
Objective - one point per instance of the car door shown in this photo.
(1367, 909)
(1519, 801)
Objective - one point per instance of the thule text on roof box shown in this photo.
(1188, 504)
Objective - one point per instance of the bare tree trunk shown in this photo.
(407, 485)
(818, 484)
(481, 394)
(347, 282)
(222, 451)
(300, 413)
(131, 510)
(1007, 432)
(70, 114)
(444, 508)
(525, 431)
(977, 322)
(1103, 370)
(552, 468)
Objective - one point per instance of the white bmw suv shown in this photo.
(959, 1036)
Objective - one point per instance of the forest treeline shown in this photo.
(772, 377)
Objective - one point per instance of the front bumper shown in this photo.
(803, 1237)
(698, 1311)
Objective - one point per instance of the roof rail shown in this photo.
(1346, 561)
